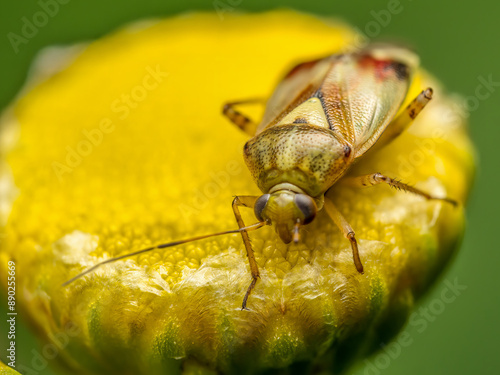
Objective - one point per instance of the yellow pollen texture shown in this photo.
(120, 144)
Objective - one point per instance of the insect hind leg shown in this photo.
(405, 118)
(240, 120)
(379, 178)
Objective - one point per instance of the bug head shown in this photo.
(287, 211)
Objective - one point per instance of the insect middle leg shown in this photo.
(239, 119)
(346, 229)
(378, 178)
(246, 201)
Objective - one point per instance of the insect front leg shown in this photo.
(246, 201)
(405, 118)
(346, 229)
(239, 119)
(379, 178)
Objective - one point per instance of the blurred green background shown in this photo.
(457, 42)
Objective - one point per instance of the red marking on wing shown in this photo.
(384, 69)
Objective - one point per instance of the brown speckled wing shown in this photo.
(298, 85)
(362, 92)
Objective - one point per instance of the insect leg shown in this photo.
(378, 178)
(346, 229)
(405, 118)
(239, 119)
(246, 201)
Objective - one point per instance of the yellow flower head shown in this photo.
(123, 146)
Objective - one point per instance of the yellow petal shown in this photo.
(6, 370)
(126, 147)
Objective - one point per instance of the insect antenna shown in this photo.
(163, 246)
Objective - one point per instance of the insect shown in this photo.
(323, 116)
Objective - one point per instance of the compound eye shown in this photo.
(260, 204)
(307, 206)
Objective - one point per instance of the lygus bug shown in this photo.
(324, 115)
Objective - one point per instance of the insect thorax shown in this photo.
(308, 156)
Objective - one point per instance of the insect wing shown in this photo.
(298, 85)
(362, 92)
